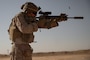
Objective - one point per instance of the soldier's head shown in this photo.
(30, 8)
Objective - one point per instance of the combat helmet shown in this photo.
(30, 6)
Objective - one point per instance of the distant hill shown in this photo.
(56, 53)
(62, 53)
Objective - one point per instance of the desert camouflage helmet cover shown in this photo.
(31, 6)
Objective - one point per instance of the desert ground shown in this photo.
(75, 55)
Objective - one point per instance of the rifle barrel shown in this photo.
(75, 17)
(59, 17)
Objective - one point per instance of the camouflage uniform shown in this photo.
(21, 33)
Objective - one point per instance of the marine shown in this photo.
(21, 30)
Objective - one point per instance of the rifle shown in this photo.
(45, 18)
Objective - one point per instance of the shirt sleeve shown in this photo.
(25, 27)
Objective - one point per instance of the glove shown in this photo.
(35, 26)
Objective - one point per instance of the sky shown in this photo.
(70, 35)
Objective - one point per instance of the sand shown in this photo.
(58, 56)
